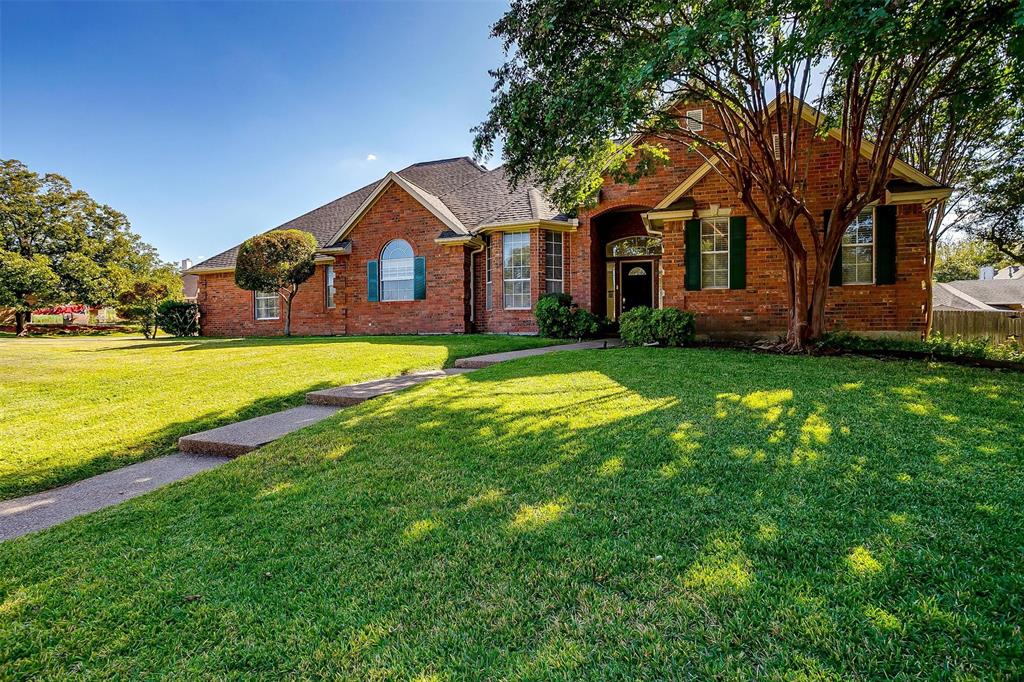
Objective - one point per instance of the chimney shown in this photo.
(186, 264)
(986, 272)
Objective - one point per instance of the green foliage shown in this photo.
(936, 345)
(88, 248)
(275, 260)
(997, 214)
(636, 326)
(279, 260)
(141, 302)
(559, 318)
(642, 326)
(178, 318)
(964, 259)
(674, 327)
(26, 283)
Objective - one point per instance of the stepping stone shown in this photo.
(353, 394)
(242, 437)
(481, 361)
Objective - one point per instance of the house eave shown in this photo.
(927, 197)
(551, 225)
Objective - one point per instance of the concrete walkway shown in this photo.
(208, 449)
(42, 510)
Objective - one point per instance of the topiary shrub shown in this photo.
(559, 318)
(674, 327)
(178, 318)
(636, 326)
(666, 326)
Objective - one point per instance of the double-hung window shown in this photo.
(554, 261)
(397, 268)
(268, 305)
(329, 285)
(714, 253)
(859, 250)
(516, 270)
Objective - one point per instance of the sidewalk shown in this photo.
(208, 449)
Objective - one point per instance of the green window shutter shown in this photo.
(835, 277)
(372, 282)
(419, 278)
(738, 252)
(885, 245)
(692, 281)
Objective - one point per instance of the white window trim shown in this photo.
(329, 289)
(256, 295)
(412, 279)
(488, 274)
(505, 281)
(874, 246)
(695, 120)
(728, 260)
(561, 264)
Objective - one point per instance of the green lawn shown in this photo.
(620, 514)
(74, 407)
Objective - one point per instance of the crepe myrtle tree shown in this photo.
(595, 90)
(279, 261)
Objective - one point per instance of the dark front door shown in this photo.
(637, 284)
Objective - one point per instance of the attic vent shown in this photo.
(695, 120)
(776, 144)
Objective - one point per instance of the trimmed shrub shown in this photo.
(559, 318)
(642, 326)
(636, 326)
(936, 346)
(674, 327)
(178, 318)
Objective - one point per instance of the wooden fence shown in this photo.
(977, 324)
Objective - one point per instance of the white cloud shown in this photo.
(371, 157)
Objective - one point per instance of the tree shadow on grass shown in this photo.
(582, 515)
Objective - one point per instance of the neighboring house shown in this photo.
(1010, 272)
(991, 295)
(448, 247)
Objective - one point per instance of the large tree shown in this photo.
(62, 245)
(996, 214)
(955, 139)
(590, 90)
(278, 261)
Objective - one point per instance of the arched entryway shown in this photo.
(627, 262)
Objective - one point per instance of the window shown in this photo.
(714, 253)
(329, 285)
(695, 120)
(268, 305)
(397, 269)
(516, 270)
(859, 250)
(554, 260)
(634, 246)
(489, 289)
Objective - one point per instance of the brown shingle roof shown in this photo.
(473, 194)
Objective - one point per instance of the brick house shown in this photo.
(448, 247)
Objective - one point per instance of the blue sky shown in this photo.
(206, 122)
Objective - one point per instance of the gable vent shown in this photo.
(695, 120)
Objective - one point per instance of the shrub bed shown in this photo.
(665, 326)
(978, 351)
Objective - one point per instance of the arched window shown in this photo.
(397, 271)
(634, 246)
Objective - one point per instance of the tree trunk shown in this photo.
(288, 313)
(819, 294)
(20, 318)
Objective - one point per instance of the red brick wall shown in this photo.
(498, 319)
(762, 306)
(228, 310)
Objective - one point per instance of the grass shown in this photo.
(619, 514)
(74, 407)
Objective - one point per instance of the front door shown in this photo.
(637, 284)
